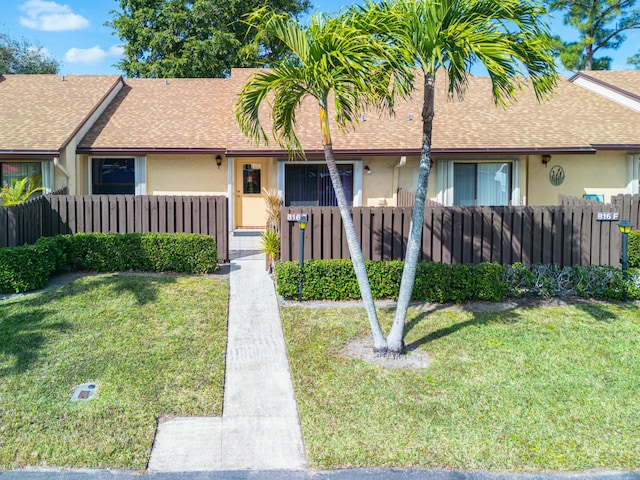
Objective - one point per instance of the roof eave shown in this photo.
(417, 151)
(29, 153)
(144, 150)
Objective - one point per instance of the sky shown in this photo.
(73, 31)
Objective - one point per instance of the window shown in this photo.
(310, 185)
(481, 184)
(111, 176)
(40, 171)
(251, 178)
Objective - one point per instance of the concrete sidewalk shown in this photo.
(259, 428)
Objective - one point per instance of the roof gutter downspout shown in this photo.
(59, 166)
(396, 172)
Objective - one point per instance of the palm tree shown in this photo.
(19, 191)
(506, 36)
(340, 67)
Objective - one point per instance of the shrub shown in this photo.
(29, 267)
(441, 283)
(592, 281)
(25, 268)
(634, 249)
(435, 282)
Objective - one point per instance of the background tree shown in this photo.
(22, 56)
(635, 61)
(507, 37)
(601, 25)
(194, 38)
(328, 58)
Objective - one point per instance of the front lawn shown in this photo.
(525, 389)
(153, 344)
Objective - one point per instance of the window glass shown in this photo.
(113, 176)
(18, 170)
(487, 183)
(310, 185)
(251, 178)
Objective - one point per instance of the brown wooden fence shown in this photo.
(566, 235)
(406, 198)
(22, 224)
(64, 214)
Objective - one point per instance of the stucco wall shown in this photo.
(186, 175)
(604, 173)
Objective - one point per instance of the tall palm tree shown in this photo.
(342, 68)
(507, 37)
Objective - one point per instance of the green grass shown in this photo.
(154, 345)
(529, 389)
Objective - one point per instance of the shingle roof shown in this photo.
(40, 113)
(573, 119)
(198, 115)
(158, 114)
(627, 81)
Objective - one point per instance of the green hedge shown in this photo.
(634, 249)
(437, 282)
(29, 267)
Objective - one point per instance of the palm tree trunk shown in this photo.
(396, 336)
(379, 342)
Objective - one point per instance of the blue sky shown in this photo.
(73, 31)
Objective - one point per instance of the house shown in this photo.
(109, 135)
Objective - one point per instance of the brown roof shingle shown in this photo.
(573, 119)
(198, 115)
(158, 114)
(626, 81)
(40, 113)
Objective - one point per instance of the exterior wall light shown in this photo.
(367, 169)
(546, 159)
(218, 161)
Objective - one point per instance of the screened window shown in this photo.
(310, 185)
(481, 184)
(113, 176)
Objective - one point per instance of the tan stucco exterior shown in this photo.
(184, 174)
(604, 173)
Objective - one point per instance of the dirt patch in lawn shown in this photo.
(362, 349)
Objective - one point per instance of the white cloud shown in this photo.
(51, 16)
(92, 56)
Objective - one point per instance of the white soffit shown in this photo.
(608, 93)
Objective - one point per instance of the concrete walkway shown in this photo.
(259, 428)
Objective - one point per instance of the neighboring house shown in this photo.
(179, 137)
(42, 120)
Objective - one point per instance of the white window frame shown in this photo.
(139, 168)
(444, 182)
(357, 176)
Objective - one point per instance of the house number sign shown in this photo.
(608, 216)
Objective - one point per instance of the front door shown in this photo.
(251, 177)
